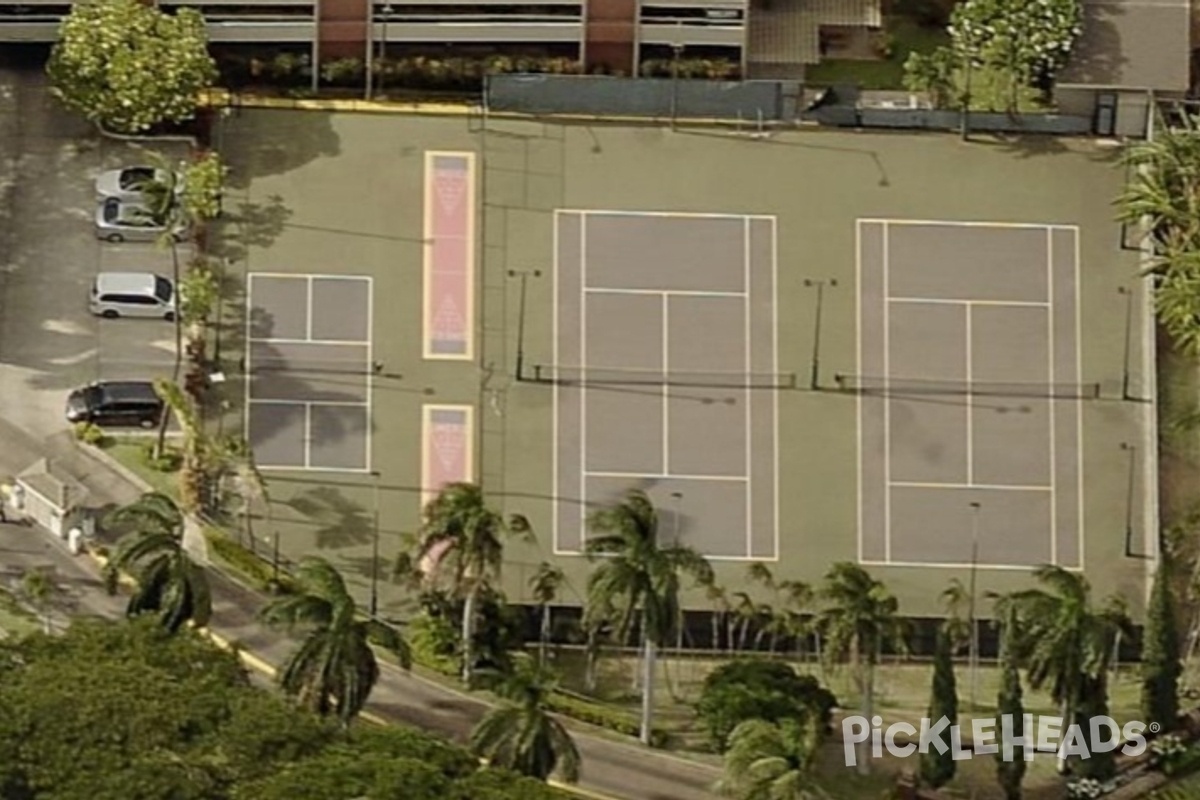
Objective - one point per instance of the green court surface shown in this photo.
(907, 265)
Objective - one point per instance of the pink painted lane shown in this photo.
(449, 255)
(446, 457)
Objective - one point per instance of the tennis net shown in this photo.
(874, 384)
(258, 365)
(608, 376)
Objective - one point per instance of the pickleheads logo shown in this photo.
(990, 737)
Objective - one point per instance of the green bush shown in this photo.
(170, 460)
(90, 433)
(343, 72)
(757, 689)
(690, 68)
(601, 716)
(435, 644)
(256, 570)
(449, 759)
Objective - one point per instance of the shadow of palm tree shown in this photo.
(340, 522)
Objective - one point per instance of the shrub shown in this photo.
(170, 460)
(90, 433)
(601, 716)
(256, 570)
(757, 689)
(404, 742)
(343, 72)
(435, 643)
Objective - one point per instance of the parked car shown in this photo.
(116, 403)
(124, 221)
(132, 294)
(127, 183)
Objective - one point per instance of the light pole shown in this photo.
(383, 40)
(678, 498)
(973, 653)
(965, 130)
(524, 276)
(275, 558)
(374, 606)
(677, 51)
(370, 54)
(815, 376)
(1125, 290)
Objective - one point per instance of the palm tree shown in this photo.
(860, 620)
(39, 589)
(639, 577)
(720, 600)
(545, 584)
(1065, 641)
(334, 669)
(745, 613)
(771, 761)
(521, 734)
(167, 580)
(460, 533)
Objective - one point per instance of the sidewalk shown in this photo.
(609, 767)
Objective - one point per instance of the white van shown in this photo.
(132, 294)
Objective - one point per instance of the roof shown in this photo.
(53, 484)
(126, 282)
(1132, 44)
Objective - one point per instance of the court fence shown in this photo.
(659, 98)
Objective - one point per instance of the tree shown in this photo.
(462, 535)
(639, 578)
(1163, 195)
(521, 734)
(937, 768)
(39, 589)
(860, 619)
(167, 581)
(334, 669)
(1031, 41)
(545, 584)
(771, 761)
(1161, 665)
(128, 66)
(1010, 771)
(1066, 640)
(768, 690)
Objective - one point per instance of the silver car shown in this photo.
(123, 221)
(126, 184)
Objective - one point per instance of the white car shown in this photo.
(121, 221)
(127, 183)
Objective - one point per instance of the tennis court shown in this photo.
(970, 393)
(665, 375)
(309, 369)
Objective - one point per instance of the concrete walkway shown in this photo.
(610, 768)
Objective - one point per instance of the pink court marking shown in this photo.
(449, 214)
(446, 448)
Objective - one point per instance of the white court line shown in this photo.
(305, 275)
(775, 368)
(947, 223)
(332, 342)
(335, 403)
(666, 389)
(556, 502)
(248, 378)
(970, 403)
(887, 404)
(605, 212)
(858, 235)
(949, 302)
(746, 398)
(997, 487)
(307, 435)
(941, 565)
(1052, 409)
(1079, 407)
(294, 468)
(665, 292)
(369, 433)
(583, 389)
(664, 476)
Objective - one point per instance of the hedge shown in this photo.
(595, 714)
(256, 570)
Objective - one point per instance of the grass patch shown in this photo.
(887, 73)
(130, 452)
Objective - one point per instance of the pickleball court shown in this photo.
(994, 467)
(666, 375)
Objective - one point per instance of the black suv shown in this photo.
(118, 403)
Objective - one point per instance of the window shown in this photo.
(162, 289)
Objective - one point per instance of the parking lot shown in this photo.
(49, 256)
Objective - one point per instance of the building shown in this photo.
(1131, 51)
(768, 38)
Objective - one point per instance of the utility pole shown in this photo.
(524, 276)
(374, 607)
